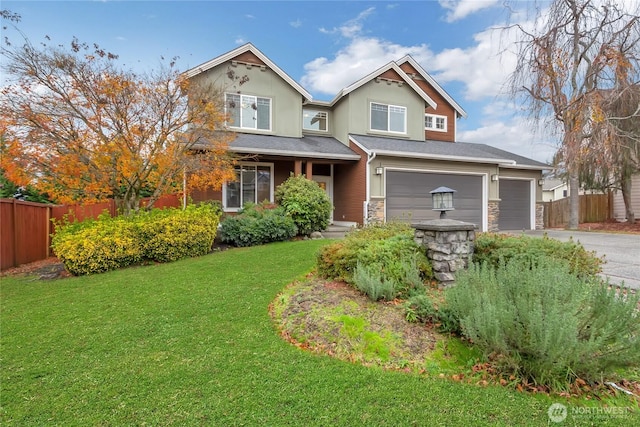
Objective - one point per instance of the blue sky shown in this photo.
(324, 45)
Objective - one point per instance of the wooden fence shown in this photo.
(24, 232)
(26, 227)
(593, 208)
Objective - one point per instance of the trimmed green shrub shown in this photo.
(96, 246)
(544, 323)
(161, 235)
(173, 234)
(390, 247)
(492, 247)
(306, 203)
(257, 225)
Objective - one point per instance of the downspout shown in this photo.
(372, 157)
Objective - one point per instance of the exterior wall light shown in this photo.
(495, 177)
(442, 199)
(541, 182)
(379, 170)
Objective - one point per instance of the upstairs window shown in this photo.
(314, 120)
(388, 118)
(437, 123)
(248, 112)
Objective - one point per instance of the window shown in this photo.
(252, 185)
(388, 118)
(437, 123)
(249, 112)
(314, 120)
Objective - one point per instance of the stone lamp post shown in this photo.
(448, 243)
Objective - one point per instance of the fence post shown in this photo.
(15, 231)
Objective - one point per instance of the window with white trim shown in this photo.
(388, 118)
(253, 184)
(248, 112)
(314, 120)
(434, 122)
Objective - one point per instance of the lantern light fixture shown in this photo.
(442, 199)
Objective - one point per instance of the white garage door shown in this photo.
(408, 196)
(515, 204)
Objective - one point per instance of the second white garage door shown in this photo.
(408, 196)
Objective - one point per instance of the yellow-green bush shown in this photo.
(172, 234)
(96, 246)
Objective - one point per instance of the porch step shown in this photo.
(336, 232)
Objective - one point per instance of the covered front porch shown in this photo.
(267, 161)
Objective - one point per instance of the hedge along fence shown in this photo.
(26, 227)
(161, 235)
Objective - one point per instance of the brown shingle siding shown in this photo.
(444, 108)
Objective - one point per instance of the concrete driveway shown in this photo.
(621, 252)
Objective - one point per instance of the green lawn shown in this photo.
(191, 343)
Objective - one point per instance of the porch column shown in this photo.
(309, 169)
(297, 167)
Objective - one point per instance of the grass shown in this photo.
(192, 343)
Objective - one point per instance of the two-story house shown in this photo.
(377, 148)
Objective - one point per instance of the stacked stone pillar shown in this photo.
(448, 244)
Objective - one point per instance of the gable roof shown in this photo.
(239, 51)
(551, 184)
(433, 83)
(371, 76)
(439, 150)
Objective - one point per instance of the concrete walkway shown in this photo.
(621, 252)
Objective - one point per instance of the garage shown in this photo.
(408, 196)
(515, 204)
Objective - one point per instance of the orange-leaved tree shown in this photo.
(81, 129)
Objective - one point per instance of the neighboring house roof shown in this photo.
(552, 184)
(308, 146)
(432, 82)
(438, 150)
(240, 50)
(371, 76)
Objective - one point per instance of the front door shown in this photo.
(325, 182)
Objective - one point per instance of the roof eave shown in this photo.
(242, 49)
(500, 162)
(330, 156)
(459, 110)
(376, 73)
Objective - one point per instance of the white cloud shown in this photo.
(296, 24)
(352, 27)
(362, 56)
(460, 9)
(249, 16)
(483, 67)
(240, 40)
